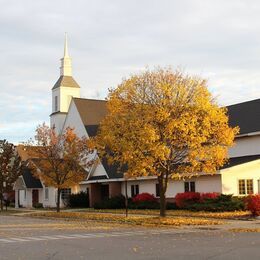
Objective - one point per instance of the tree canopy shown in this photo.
(10, 167)
(166, 124)
(63, 159)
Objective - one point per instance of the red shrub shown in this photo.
(144, 197)
(253, 204)
(182, 199)
(208, 195)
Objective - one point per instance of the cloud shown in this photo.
(109, 40)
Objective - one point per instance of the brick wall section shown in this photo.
(114, 189)
(94, 194)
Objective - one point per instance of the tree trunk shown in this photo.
(58, 200)
(126, 200)
(2, 202)
(162, 189)
(1, 196)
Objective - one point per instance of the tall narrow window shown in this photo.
(46, 193)
(157, 190)
(56, 103)
(134, 190)
(242, 187)
(189, 186)
(186, 186)
(192, 186)
(249, 186)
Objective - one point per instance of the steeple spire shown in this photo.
(65, 69)
(66, 54)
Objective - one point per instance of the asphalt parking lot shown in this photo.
(28, 238)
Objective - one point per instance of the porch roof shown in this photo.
(29, 180)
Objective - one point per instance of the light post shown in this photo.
(126, 196)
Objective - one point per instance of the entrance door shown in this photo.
(104, 192)
(35, 197)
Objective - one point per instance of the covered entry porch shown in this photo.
(99, 191)
(28, 190)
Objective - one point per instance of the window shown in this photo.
(65, 193)
(189, 186)
(157, 190)
(46, 193)
(56, 103)
(186, 186)
(134, 190)
(245, 187)
(242, 187)
(249, 186)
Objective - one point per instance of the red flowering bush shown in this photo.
(253, 204)
(144, 197)
(208, 195)
(182, 199)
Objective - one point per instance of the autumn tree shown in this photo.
(10, 168)
(63, 159)
(166, 124)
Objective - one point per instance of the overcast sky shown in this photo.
(108, 40)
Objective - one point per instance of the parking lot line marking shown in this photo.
(18, 239)
(6, 240)
(89, 235)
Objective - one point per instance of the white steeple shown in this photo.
(63, 91)
(65, 69)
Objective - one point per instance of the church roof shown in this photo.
(66, 81)
(246, 115)
(29, 180)
(240, 160)
(91, 111)
(243, 115)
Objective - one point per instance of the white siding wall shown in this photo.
(249, 145)
(99, 171)
(55, 93)
(66, 94)
(73, 120)
(203, 184)
(27, 201)
(51, 201)
(231, 176)
(58, 120)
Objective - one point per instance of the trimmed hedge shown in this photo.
(141, 201)
(143, 197)
(117, 202)
(209, 203)
(144, 205)
(78, 200)
(253, 204)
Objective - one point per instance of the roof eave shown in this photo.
(248, 134)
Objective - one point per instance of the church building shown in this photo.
(240, 176)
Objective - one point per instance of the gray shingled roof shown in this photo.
(246, 115)
(95, 178)
(66, 81)
(91, 130)
(240, 160)
(91, 111)
(29, 180)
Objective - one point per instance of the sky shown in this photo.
(110, 40)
